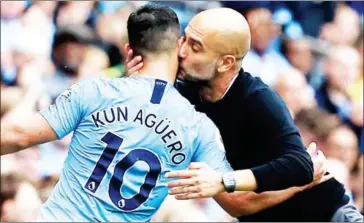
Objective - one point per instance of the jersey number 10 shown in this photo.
(113, 143)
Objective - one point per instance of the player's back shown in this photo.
(130, 132)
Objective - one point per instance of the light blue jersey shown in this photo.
(127, 133)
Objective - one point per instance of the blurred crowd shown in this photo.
(311, 53)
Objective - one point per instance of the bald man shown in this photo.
(257, 129)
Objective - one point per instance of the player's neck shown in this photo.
(162, 67)
(216, 89)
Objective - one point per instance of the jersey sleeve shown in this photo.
(210, 148)
(66, 112)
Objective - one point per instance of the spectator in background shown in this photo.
(341, 69)
(69, 49)
(339, 144)
(315, 125)
(94, 62)
(295, 91)
(25, 97)
(344, 29)
(342, 144)
(25, 57)
(341, 173)
(312, 14)
(112, 31)
(29, 41)
(10, 96)
(37, 31)
(10, 27)
(185, 10)
(299, 54)
(348, 22)
(110, 7)
(336, 140)
(356, 183)
(355, 92)
(7, 163)
(262, 60)
(48, 7)
(74, 13)
(124, 10)
(19, 200)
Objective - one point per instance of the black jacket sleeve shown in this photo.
(293, 165)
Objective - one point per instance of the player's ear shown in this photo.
(127, 48)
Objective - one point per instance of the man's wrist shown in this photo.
(221, 185)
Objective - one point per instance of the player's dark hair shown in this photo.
(153, 29)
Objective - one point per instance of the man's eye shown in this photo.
(195, 49)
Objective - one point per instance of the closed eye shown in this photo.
(195, 48)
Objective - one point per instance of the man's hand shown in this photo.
(320, 166)
(199, 181)
(133, 64)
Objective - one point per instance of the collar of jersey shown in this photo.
(150, 78)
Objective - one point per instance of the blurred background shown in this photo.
(311, 53)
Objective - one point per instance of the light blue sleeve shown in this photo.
(210, 148)
(66, 112)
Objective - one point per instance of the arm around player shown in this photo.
(201, 181)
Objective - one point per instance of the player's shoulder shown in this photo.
(184, 109)
(203, 122)
(100, 81)
(206, 131)
(91, 82)
(183, 106)
(80, 88)
(100, 85)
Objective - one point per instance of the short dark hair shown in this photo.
(153, 28)
(319, 122)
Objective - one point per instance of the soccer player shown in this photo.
(257, 129)
(127, 132)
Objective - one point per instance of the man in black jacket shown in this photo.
(258, 132)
